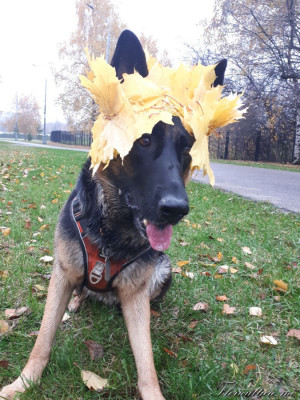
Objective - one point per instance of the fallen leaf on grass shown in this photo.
(5, 231)
(12, 313)
(155, 314)
(269, 340)
(4, 327)
(95, 349)
(65, 317)
(233, 270)
(223, 269)
(234, 260)
(218, 257)
(222, 298)
(182, 263)
(28, 224)
(40, 288)
(255, 311)
(193, 324)
(246, 250)
(251, 266)
(201, 307)
(43, 227)
(294, 333)
(250, 367)
(182, 243)
(206, 273)
(33, 333)
(280, 286)
(93, 381)
(184, 338)
(189, 274)
(47, 259)
(3, 274)
(227, 309)
(170, 353)
(176, 270)
(4, 364)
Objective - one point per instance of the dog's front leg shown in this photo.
(59, 292)
(136, 311)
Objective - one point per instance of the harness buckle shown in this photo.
(96, 273)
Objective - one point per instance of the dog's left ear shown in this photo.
(129, 55)
(220, 72)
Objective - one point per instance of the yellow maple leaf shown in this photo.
(130, 109)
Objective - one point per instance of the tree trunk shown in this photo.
(257, 145)
(226, 146)
(296, 155)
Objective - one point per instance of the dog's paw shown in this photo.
(12, 391)
(76, 302)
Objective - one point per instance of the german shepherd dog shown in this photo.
(128, 210)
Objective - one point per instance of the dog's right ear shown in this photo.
(220, 72)
(129, 55)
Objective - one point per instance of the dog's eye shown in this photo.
(186, 150)
(145, 141)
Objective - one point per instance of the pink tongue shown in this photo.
(160, 239)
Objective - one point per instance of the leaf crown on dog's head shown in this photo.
(131, 107)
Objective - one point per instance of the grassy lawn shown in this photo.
(258, 164)
(205, 350)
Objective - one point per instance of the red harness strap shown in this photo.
(99, 271)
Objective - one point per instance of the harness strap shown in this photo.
(99, 271)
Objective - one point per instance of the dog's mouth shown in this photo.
(159, 236)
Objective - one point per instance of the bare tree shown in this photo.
(29, 118)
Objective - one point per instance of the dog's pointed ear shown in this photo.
(129, 55)
(220, 72)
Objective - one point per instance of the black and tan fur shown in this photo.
(149, 184)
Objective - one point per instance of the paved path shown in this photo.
(281, 188)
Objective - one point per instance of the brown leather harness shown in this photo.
(99, 271)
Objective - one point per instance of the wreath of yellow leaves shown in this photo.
(132, 108)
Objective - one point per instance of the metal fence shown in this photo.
(71, 138)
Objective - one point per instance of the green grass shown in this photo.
(220, 347)
(268, 165)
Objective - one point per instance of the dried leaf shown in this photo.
(250, 367)
(233, 270)
(5, 231)
(218, 257)
(170, 353)
(201, 307)
(193, 324)
(40, 288)
(65, 317)
(251, 266)
(246, 250)
(269, 340)
(294, 333)
(280, 286)
(190, 275)
(176, 270)
(12, 313)
(155, 314)
(227, 309)
(4, 364)
(255, 311)
(95, 349)
(4, 327)
(222, 298)
(47, 259)
(93, 381)
(4, 274)
(182, 263)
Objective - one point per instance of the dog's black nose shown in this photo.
(172, 209)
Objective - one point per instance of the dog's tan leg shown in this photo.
(59, 292)
(136, 311)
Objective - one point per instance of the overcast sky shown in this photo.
(31, 29)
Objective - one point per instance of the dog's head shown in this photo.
(152, 177)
